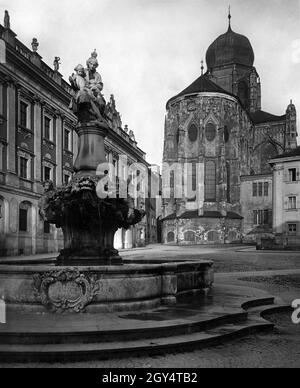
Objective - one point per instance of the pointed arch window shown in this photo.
(210, 181)
(193, 133)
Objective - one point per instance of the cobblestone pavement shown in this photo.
(280, 349)
(229, 258)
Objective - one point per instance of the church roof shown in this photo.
(230, 48)
(192, 214)
(261, 116)
(201, 85)
(289, 154)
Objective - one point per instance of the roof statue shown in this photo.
(34, 44)
(56, 63)
(6, 20)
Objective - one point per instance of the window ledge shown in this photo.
(48, 142)
(25, 129)
(68, 151)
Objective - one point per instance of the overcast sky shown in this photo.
(150, 50)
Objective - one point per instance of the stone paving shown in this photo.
(275, 272)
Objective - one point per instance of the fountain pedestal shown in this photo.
(89, 223)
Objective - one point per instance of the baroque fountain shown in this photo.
(89, 275)
(89, 302)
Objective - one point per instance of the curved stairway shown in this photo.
(193, 323)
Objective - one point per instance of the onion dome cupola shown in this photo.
(230, 48)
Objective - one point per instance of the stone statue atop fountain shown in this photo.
(88, 103)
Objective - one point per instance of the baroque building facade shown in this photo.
(38, 144)
(218, 141)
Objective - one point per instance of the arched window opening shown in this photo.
(190, 236)
(193, 133)
(24, 217)
(171, 237)
(210, 132)
(213, 236)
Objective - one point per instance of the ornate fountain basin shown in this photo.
(40, 288)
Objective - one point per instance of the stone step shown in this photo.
(264, 310)
(138, 330)
(117, 349)
(258, 303)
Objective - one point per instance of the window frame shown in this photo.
(22, 166)
(49, 169)
(292, 232)
(292, 172)
(51, 131)
(292, 202)
(23, 220)
(67, 144)
(24, 124)
(254, 189)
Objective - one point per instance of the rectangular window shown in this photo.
(292, 174)
(47, 174)
(260, 189)
(46, 227)
(47, 128)
(23, 220)
(266, 189)
(292, 229)
(23, 114)
(255, 217)
(292, 203)
(266, 217)
(66, 179)
(23, 168)
(260, 217)
(67, 139)
(254, 189)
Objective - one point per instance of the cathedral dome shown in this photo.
(230, 48)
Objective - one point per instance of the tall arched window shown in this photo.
(210, 181)
(25, 217)
(243, 93)
(193, 132)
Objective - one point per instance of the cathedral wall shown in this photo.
(214, 132)
(202, 231)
